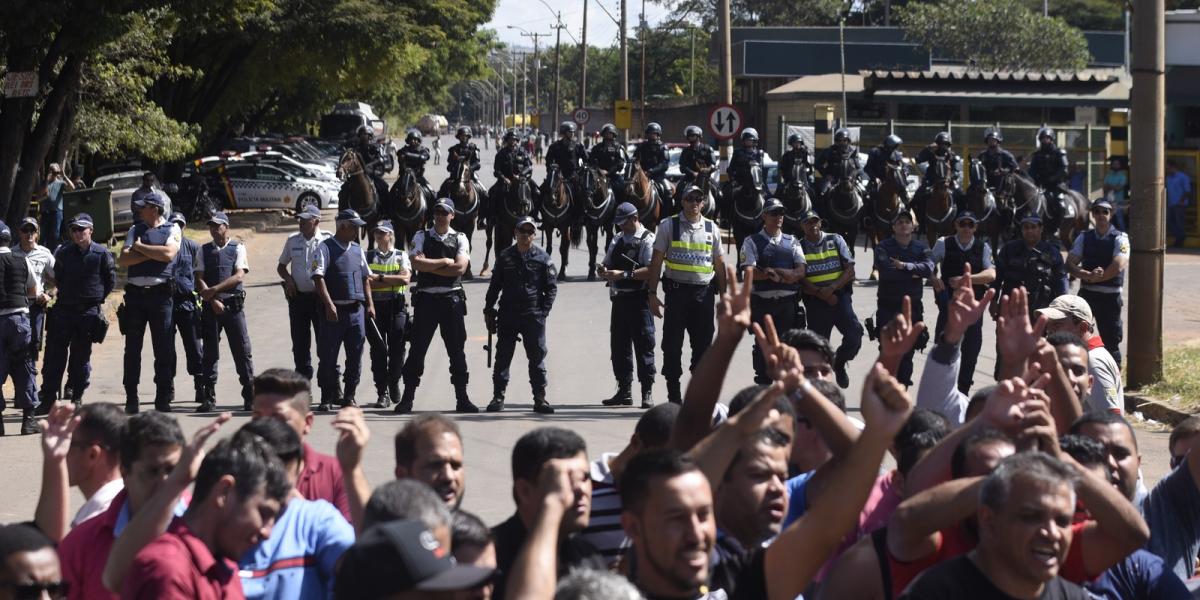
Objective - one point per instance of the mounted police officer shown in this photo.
(565, 156)
(903, 263)
(1098, 258)
(41, 262)
(17, 285)
(463, 152)
(512, 163)
(219, 274)
(995, 160)
(186, 314)
(828, 286)
(689, 246)
(414, 156)
(390, 275)
(609, 157)
(654, 159)
(524, 281)
(950, 255)
(85, 273)
(797, 153)
(626, 267)
(148, 255)
(877, 165)
(940, 150)
(777, 264)
(340, 274)
(440, 256)
(740, 165)
(695, 161)
(305, 312)
(1050, 169)
(370, 152)
(838, 162)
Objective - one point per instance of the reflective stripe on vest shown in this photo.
(689, 257)
(824, 263)
(385, 270)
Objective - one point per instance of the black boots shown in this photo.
(163, 399)
(405, 405)
(623, 397)
(462, 402)
(382, 398)
(497, 403)
(206, 395)
(540, 405)
(673, 395)
(647, 395)
(29, 424)
(131, 401)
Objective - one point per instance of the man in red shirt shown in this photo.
(28, 566)
(150, 447)
(238, 493)
(286, 395)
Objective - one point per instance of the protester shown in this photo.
(92, 458)
(1072, 314)
(472, 544)
(406, 499)
(402, 560)
(29, 568)
(429, 449)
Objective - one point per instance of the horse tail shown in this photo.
(575, 233)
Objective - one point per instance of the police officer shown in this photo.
(609, 157)
(689, 246)
(940, 149)
(17, 285)
(996, 161)
(387, 333)
(740, 164)
(828, 284)
(85, 273)
(440, 256)
(696, 160)
(838, 162)
(626, 267)
(1048, 166)
(903, 263)
(1098, 258)
(777, 264)
(797, 153)
(148, 255)
(565, 155)
(219, 274)
(524, 281)
(186, 313)
(1033, 263)
(413, 156)
(340, 274)
(652, 155)
(877, 164)
(950, 255)
(463, 152)
(371, 154)
(41, 262)
(512, 163)
(305, 312)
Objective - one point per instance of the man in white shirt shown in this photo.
(304, 310)
(94, 459)
(1073, 314)
(41, 263)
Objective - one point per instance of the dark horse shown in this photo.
(559, 212)
(358, 191)
(939, 203)
(467, 198)
(512, 203)
(887, 202)
(745, 206)
(712, 193)
(1026, 198)
(796, 199)
(840, 207)
(992, 209)
(1065, 219)
(641, 192)
(599, 205)
(410, 201)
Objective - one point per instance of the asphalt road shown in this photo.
(579, 375)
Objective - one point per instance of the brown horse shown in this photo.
(559, 213)
(357, 192)
(598, 208)
(887, 202)
(466, 198)
(939, 203)
(644, 195)
(796, 198)
(410, 201)
(506, 204)
(991, 210)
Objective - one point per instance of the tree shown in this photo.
(995, 35)
(764, 13)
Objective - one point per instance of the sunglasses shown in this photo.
(967, 224)
(694, 199)
(526, 231)
(78, 229)
(33, 591)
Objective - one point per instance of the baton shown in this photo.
(378, 336)
(488, 347)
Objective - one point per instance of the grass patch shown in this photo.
(1181, 379)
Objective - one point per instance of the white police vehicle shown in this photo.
(244, 184)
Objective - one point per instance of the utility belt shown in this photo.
(98, 328)
(235, 302)
(393, 301)
(167, 288)
(672, 285)
(186, 300)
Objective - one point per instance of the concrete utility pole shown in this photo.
(583, 61)
(524, 91)
(642, 42)
(557, 42)
(726, 62)
(1146, 236)
(537, 73)
(624, 62)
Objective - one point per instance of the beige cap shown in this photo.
(1069, 305)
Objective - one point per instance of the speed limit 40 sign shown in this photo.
(725, 121)
(581, 116)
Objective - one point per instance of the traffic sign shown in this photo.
(623, 114)
(581, 116)
(725, 121)
(21, 84)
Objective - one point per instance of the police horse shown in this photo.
(410, 201)
(503, 211)
(940, 211)
(841, 206)
(993, 209)
(1066, 217)
(358, 191)
(599, 204)
(645, 195)
(467, 197)
(744, 209)
(797, 200)
(887, 201)
(559, 213)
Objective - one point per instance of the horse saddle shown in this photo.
(1057, 205)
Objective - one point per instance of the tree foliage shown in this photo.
(995, 35)
(764, 13)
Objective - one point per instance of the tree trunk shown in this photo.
(37, 144)
(15, 115)
(64, 140)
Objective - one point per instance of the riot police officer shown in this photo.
(695, 161)
(626, 267)
(1049, 168)
(950, 256)
(371, 154)
(220, 270)
(877, 165)
(776, 261)
(1098, 258)
(740, 163)
(797, 153)
(941, 149)
(512, 163)
(463, 152)
(838, 162)
(341, 276)
(86, 274)
(609, 157)
(304, 310)
(652, 155)
(413, 156)
(565, 157)
(828, 285)
(903, 263)
(41, 262)
(524, 281)
(148, 254)
(689, 246)
(186, 314)
(995, 160)
(17, 285)
(440, 256)
(1033, 263)
(390, 273)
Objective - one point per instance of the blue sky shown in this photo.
(535, 17)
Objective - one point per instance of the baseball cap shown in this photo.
(1069, 305)
(904, 214)
(1031, 217)
(444, 204)
(82, 219)
(624, 211)
(351, 215)
(966, 215)
(29, 221)
(309, 212)
(177, 217)
(773, 205)
(385, 225)
(218, 218)
(401, 556)
(153, 199)
(809, 215)
(1101, 202)
(523, 221)
(5, 232)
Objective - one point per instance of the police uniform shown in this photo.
(526, 287)
(835, 164)
(16, 280)
(41, 263)
(372, 158)
(927, 156)
(85, 277)
(776, 298)
(631, 324)
(691, 160)
(739, 165)
(511, 163)
(690, 254)
(459, 153)
(150, 302)
(951, 257)
(186, 313)
(826, 259)
(414, 157)
(566, 156)
(304, 308)
(344, 270)
(438, 303)
(1039, 269)
(610, 158)
(388, 337)
(789, 160)
(217, 264)
(896, 283)
(995, 162)
(1104, 298)
(653, 157)
(876, 168)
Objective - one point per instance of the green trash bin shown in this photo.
(94, 201)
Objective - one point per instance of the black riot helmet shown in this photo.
(567, 128)
(653, 129)
(464, 130)
(892, 142)
(413, 136)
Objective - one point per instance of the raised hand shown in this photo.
(554, 482)
(964, 310)
(733, 308)
(779, 357)
(761, 412)
(885, 404)
(1038, 430)
(193, 453)
(57, 429)
(1018, 338)
(353, 436)
(899, 336)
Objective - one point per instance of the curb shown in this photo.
(1153, 408)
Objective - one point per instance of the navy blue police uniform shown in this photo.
(344, 271)
(978, 255)
(609, 156)
(897, 282)
(218, 264)
(631, 324)
(186, 315)
(653, 157)
(16, 279)
(779, 299)
(150, 303)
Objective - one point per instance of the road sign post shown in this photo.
(581, 116)
(725, 121)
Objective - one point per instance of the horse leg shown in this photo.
(487, 245)
(564, 247)
(593, 243)
(468, 230)
(873, 238)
